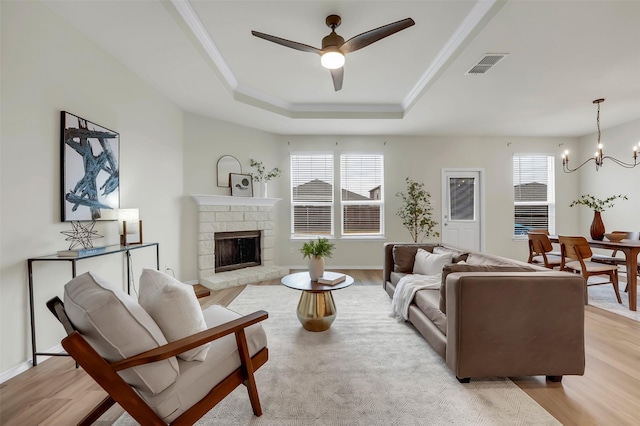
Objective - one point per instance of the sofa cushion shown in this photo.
(197, 378)
(464, 267)
(481, 259)
(396, 277)
(428, 302)
(427, 263)
(458, 256)
(175, 308)
(404, 256)
(117, 327)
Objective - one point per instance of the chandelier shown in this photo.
(599, 157)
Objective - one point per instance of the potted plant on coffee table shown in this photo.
(316, 251)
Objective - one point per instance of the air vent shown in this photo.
(486, 63)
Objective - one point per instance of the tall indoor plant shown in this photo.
(316, 251)
(598, 206)
(263, 176)
(416, 211)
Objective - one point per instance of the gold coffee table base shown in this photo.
(316, 310)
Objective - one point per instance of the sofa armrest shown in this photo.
(515, 323)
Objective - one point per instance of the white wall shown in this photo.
(611, 179)
(422, 158)
(48, 67)
(206, 140)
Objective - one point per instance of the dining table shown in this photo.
(631, 249)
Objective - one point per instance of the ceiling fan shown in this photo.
(334, 48)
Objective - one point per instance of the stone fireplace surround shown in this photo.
(222, 213)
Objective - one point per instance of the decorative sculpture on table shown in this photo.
(82, 234)
(90, 174)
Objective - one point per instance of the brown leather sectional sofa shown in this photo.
(495, 316)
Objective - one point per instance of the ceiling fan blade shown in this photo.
(337, 75)
(366, 38)
(287, 43)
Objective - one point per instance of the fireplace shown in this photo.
(236, 250)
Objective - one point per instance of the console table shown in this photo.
(126, 249)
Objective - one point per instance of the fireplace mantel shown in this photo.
(227, 200)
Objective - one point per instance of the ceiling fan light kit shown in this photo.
(598, 156)
(334, 48)
(332, 59)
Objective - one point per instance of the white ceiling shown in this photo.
(561, 56)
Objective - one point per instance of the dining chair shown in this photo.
(541, 250)
(576, 255)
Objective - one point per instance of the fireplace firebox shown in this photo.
(236, 250)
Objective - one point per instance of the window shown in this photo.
(361, 195)
(311, 195)
(534, 193)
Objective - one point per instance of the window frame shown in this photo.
(373, 202)
(331, 204)
(550, 202)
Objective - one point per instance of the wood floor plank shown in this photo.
(56, 393)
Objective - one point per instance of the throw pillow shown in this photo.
(429, 263)
(175, 308)
(405, 254)
(117, 327)
(458, 255)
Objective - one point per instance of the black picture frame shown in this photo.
(89, 168)
(241, 185)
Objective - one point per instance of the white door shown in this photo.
(462, 208)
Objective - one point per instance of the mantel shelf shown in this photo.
(227, 200)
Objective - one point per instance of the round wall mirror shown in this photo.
(227, 164)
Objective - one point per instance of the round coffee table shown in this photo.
(316, 309)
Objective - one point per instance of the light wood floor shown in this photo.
(56, 393)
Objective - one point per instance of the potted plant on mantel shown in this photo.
(262, 176)
(416, 211)
(598, 206)
(316, 251)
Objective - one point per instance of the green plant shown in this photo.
(320, 248)
(416, 211)
(596, 203)
(261, 175)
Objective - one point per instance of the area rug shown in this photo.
(604, 297)
(367, 369)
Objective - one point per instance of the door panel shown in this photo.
(461, 212)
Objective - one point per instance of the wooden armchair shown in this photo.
(576, 255)
(182, 398)
(540, 250)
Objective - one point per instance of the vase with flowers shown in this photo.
(598, 206)
(263, 176)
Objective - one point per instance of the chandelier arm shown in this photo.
(622, 163)
(567, 169)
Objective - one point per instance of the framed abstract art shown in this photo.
(90, 181)
(241, 185)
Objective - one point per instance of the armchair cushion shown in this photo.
(175, 308)
(117, 327)
(197, 378)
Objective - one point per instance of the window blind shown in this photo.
(361, 194)
(311, 194)
(534, 193)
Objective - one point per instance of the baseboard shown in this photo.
(25, 365)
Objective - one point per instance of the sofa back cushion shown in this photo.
(448, 269)
(404, 256)
(117, 327)
(458, 256)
